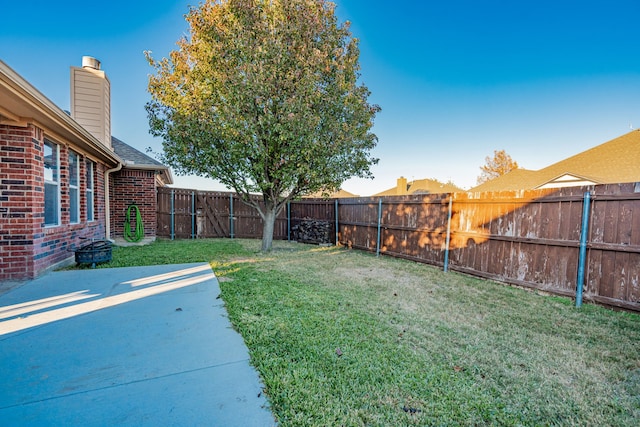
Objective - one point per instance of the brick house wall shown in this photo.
(27, 247)
(43, 218)
(133, 187)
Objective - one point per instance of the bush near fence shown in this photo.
(526, 238)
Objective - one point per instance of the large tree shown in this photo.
(498, 165)
(263, 96)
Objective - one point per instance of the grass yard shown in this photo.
(341, 337)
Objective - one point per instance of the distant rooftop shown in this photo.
(614, 162)
(419, 186)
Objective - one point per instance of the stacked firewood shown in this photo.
(312, 231)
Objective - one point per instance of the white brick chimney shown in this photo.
(91, 99)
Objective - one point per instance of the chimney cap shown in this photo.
(90, 62)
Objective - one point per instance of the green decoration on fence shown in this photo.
(138, 234)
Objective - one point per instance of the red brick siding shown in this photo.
(27, 247)
(133, 187)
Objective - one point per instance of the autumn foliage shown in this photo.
(498, 165)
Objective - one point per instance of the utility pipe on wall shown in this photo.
(107, 202)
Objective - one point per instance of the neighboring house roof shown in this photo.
(134, 159)
(419, 186)
(614, 162)
(516, 179)
(22, 104)
(340, 194)
(426, 186)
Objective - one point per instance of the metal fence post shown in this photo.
(446, 250)
(172, 215)
(288, 221)
(231, 218)
(193, 215)
(583, 247)
(337, 223)
(379, 226)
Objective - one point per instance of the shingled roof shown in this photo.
(420, 186)
(614, 162)
(134, 159)
(340, 194)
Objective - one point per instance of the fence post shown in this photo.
(337, 223)
(193, 215)
(172, 215)
(446, 250)
(231, 231)
(288, 221)
(583, 248)
(379, 226)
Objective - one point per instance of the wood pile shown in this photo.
(312, 231)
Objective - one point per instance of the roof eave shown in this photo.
(23, 104)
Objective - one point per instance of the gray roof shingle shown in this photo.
(133, 157)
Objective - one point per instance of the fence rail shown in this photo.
(526, 238)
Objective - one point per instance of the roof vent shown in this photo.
(90, 62)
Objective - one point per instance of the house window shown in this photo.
(51, 184)
(74, 188)
(89, 192)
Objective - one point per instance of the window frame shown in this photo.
(90, 189)
(52, 183)
(74, 189)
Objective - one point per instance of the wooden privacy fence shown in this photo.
(189, 214)
(527, 238)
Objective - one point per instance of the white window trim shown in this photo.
(74, 187)
(89, 190)
(56, 183)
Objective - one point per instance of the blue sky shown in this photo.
(456, 79)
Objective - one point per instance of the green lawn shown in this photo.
(341, 337)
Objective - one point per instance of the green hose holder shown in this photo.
(138, 232)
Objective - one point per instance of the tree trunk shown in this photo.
(268, 227)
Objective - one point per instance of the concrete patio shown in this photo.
(137, 346)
